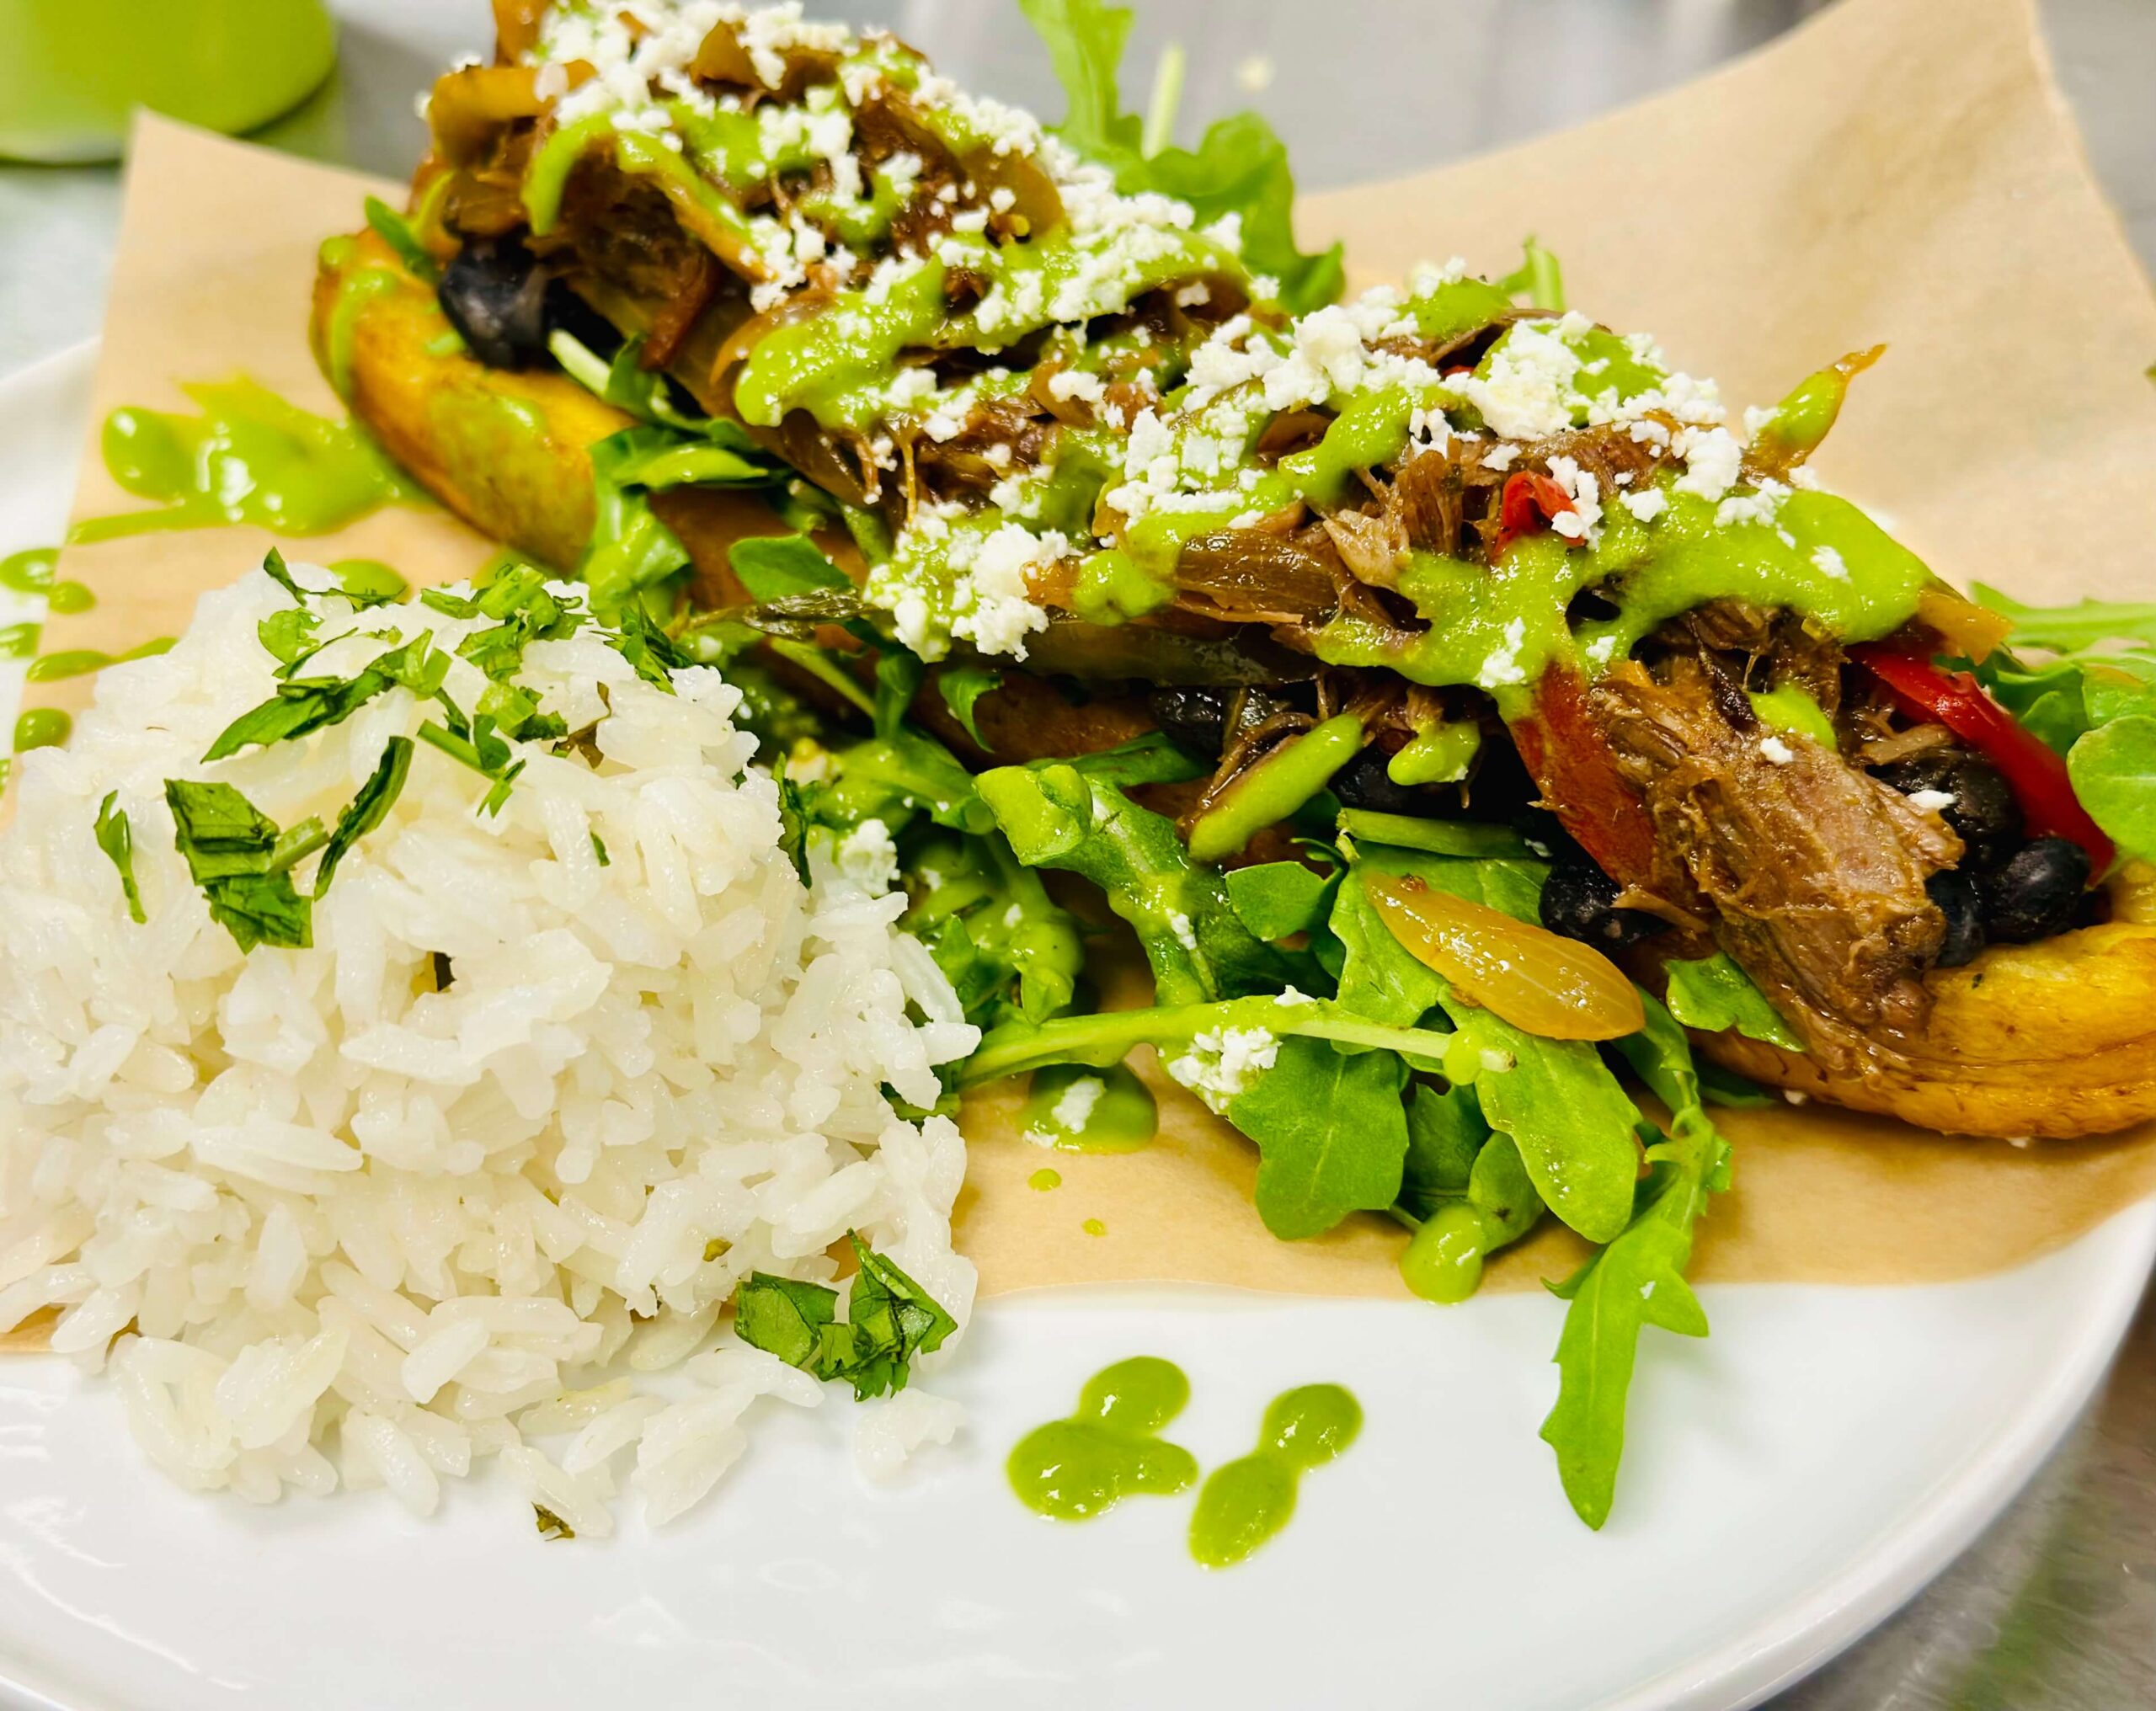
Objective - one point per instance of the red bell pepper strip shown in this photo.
(1530, 502)
(1572, 764)
(2035, 770)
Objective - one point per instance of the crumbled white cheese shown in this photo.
(995, 607)
(1584, 522)
(1075, 1110)
(1829, 562)
(1711, 456)
(868, 856)
(1220, 1064)
(1931, 802)
(1776, 750)
(1647, 505)
(1503, 667)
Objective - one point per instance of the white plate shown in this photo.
(1790, 1480)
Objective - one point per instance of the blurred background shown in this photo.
(2055, 1608)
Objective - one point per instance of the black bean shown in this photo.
(1195, 719)
(1983, 812)
(1579, 900)
(494, 293)
(1956, 893)
(1365, 783)
(2037, 892)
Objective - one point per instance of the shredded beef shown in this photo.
(1816, 870)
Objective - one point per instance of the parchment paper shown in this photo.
(1901, 170)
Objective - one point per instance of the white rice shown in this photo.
(321, 1224)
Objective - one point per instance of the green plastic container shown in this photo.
(73, 71)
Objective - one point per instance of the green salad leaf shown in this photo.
(1331, 1135)
(1638, 1280)
(2114, 772)
(1712, 994)
(396, 230)
(1278, 899)
(773, 567)
(1239, 168)
(367, 809)
(962, 687)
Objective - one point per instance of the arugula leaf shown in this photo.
(1278, 899)
(1467, 839)
(1446, 1132)
(369, 807)
(2069, 629)
(236, 855)
(1151, 759)
(1713, 993)
(394, 230)
(1198, 947)
(630, 549)
(1331, 1135)
(1538, 277)
(889, 1320)
(116, 836)
(628, 385)
(2114, 773)
(773, 567)
(962, 686)
(1571, 1120)
(1638, 1280)
(1006, 947)
(1240, 167)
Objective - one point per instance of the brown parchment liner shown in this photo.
(1897, 170)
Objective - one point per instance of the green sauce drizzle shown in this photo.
(369, 578)
(29, 572)
(17, 641)
(1081, 1109)
(1041, 1182)
(80, 661)
(249, 457)
(1110, 1448)
(42, 728)
(1245, 1502)
(69, 598)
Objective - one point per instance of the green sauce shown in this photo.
(69, 598)
(29, 572)
(1042, 1181)
(1110, 1448)
(249, 457)
(51, 668)
(42, 728)
(1245, 1502)
(370, 578)
(1094, 1227)
(17, 641)
(1081, 1109)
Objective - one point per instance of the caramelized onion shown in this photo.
(1257, 576)
(467, 107)
(1970, 630)
(1556, 988)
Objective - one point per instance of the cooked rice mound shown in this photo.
(321, 1223)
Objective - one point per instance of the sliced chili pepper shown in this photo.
(2035, 770)
(1530, 501)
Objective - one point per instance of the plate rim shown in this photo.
(1749, 1665)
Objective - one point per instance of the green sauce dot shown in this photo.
(69, 598)
(1246, 1502)
(1443, 1260)
(1108, 1449)
(1094, 1227)
(42, 728)
(1042, 1180)
(29, 571)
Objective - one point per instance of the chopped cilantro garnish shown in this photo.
(367, 809)
(889, 1320)
(242, 863)
(116, 838)
(551, 1526)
